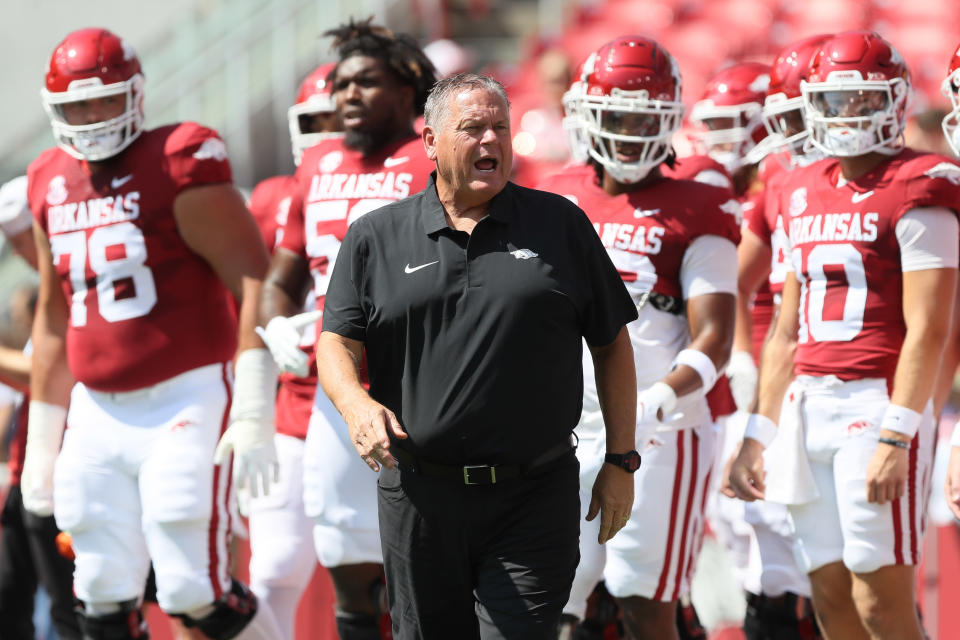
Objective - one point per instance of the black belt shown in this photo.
(661, 302)
(478, 473)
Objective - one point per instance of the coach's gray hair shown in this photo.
(438, 102)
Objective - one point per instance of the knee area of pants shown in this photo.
(862, 560)
(104, 578)
(181, 593)
(283, 572)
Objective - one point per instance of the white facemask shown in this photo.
(849, 141)
(729, 159)
(99, 144)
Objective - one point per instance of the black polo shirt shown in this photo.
(474, 340)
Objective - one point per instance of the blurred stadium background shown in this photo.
(235, 65)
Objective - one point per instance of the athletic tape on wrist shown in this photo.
(901, 420)
(760, 428)
(255, 386)
(701, 363)
(46, 423)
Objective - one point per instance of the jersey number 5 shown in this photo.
(129, 254)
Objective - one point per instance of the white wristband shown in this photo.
(901, 420)
(955, 438)
(701, 363)
(255, 386)
(760, 428)
(45, 424)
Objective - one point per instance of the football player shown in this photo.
(951, 129)
(873, 235)
(778, 600)
(282, 559)
(674, 243)
(380, 85)
(140, 236)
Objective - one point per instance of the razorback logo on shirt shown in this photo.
(629, 237)
(93, 212)
(946, 170)
(383, 184)
(211, 149)
(833, 227)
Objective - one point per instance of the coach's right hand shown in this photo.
(282, 337)
(613, 499)
(369, 423)
(44, 432)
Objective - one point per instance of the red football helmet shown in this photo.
(573, 120)
(783, 106)
(951, 89)
(855, 95)
(629, 102)
(315, 97)
(91, 64)
(730, 114)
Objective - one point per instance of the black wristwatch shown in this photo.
(629, 461)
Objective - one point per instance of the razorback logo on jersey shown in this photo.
(211, 149)
(733, 208)
(830, 227)
(383, 184)
(798, 201)
(330, 162)
(630, 237)
(946, 170)
(57, 190)
(93, 212)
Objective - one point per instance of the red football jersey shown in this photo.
(699, 168)
(270, 206)
(847, 258)
(648, 232)
(143, 306)
(703, 168)
(336, 186)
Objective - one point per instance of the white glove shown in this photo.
(743, 379)
(282, 336)
(45, 424)
(251, 431)
(654, 402)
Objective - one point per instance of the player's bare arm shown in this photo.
(51, 380)
(50, 385)
(617, 391)
(338, 365)
(15, 368)
(214, 222)
(284, 289)
(753, 268)
(711, 317)
(776, 372)
(927, 329)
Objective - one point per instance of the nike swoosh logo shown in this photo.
(392, 162)
(116, 183)
(409, 269)
(858, 197)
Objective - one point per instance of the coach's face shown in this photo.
(472, 146)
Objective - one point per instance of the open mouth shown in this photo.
(486, 165)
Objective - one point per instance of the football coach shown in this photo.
(472, 299)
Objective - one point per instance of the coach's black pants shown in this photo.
(28, 555)
(491, 561)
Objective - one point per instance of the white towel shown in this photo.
(789, 479)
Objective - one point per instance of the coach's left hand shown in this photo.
(887, 471)
(612, 499)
